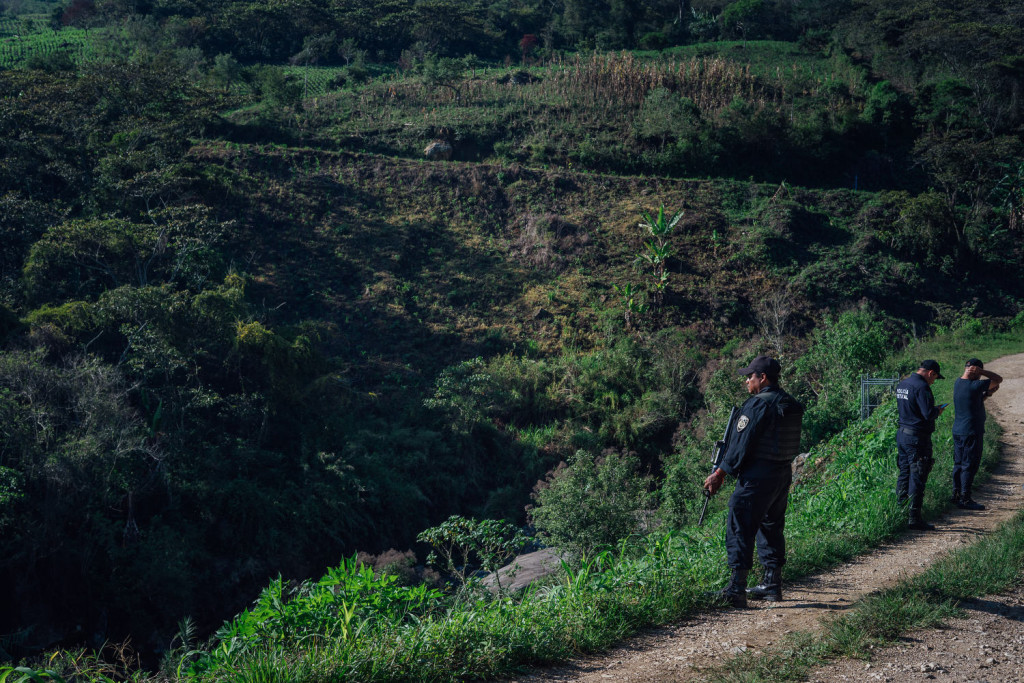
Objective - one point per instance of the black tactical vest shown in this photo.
(780, 441)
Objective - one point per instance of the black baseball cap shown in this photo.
(765, 364)
(931, 365)
(974, 361)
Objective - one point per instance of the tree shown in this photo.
(447, 27)
(78, 12)
(742, 17)
(527, 44)
(314, 49)
(76, 461)
(226, 70)
(349, 50)
(278, 89)
(592, 503)
(444, 72)
(966, 171)
(82, 258)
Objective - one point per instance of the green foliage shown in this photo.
(592, 503)
(462, 542)
(462, 392)
(743, 17)
(885, 105)
(51, 62)
(827, 377)
(75, 452)
(85, 257)
(278, 88)
(225, 70)
(445, 72)
(664, 115)
(842, 504)
(633, 304)
(347, 602)
(621, 397)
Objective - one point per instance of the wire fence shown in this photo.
(873, 391)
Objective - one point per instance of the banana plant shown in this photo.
(632, 303)
(658, 250)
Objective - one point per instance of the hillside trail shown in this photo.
(989, 645)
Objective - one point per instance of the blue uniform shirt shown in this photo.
(741, 455)
(969, 403)
(916, 404)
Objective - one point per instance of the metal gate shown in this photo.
(873, 391)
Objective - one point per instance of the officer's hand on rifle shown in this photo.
(714, 482)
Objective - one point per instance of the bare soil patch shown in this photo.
(990, 639)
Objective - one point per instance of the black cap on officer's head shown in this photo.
(974, 361)
(763, 364)
(931, 365)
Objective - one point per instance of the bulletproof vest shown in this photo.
(780, 441)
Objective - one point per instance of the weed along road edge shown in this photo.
(685, 651)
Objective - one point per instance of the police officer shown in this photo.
(761, 450)
(917, 415)
(969, 393)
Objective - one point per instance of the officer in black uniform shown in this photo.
(917, 415)
(761, 450)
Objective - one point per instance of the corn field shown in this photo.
(595, 89)
(16, 48)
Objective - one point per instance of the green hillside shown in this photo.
(248, 329)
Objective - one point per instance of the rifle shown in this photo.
(720, 447)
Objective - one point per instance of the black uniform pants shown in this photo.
(757, 511)
(966, 459)
(914, 459)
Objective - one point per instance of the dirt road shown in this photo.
(682, 651)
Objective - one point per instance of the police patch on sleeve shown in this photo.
(742, 423)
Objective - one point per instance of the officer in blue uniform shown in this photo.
(917, 415)
(969, 393)
(761, 450)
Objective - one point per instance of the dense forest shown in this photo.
(246, 328)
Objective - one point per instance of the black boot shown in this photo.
(735, 593)
(770, 588)
(955, 500)
(967, 503)
(916, 523)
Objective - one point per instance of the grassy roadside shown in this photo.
(990, 566)
(951, 351)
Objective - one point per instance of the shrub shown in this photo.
(826, 377)
(461, 544)
(590, 504)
